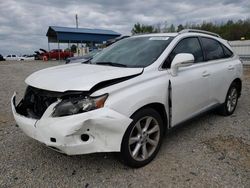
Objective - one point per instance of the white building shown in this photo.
(241, 48)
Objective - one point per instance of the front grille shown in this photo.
(35, 102)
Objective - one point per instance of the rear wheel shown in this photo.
(142, 139)
(228, 107)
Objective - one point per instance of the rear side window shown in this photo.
(187, 45)
(213, 49)
(227, 52)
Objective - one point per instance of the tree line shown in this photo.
(230, 30)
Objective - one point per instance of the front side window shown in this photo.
(213, 49)
(188, 45)
(133, 52)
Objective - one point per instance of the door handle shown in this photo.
(230, 67)
(205, 74)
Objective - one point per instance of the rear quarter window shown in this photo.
(212, 48)
(228, 53)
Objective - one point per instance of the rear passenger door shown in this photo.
(220, 66)
(190, 88)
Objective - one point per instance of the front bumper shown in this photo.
(105, 128)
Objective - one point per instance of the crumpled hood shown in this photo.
(77, 77)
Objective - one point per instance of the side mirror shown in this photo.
(181, 60)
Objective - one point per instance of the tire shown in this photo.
(229, 106)
(142, 139)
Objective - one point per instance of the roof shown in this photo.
(196, 31)
(199, 31)
(157, 35)
(84, 30)
(69, 34)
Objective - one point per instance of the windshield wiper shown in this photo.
(87, 61)
(111, 64)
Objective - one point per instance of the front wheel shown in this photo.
(142, 139)
(228, 107)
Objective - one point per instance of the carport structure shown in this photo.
(70, 35)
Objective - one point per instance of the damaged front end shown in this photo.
(87, 127)
(36, 101)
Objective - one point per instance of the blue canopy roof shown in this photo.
(69, 34)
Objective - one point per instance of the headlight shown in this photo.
(79, 105)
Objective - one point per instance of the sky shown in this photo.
(24, 23)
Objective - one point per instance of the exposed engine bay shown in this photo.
(36, 101)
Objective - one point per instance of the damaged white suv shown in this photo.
(126, 97)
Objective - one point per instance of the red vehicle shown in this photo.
(55, 54)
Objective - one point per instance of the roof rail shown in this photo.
(198, 31)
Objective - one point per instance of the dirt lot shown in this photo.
(210, 151)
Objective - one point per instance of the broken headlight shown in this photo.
(79, 105)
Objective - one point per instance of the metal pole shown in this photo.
(48, 48)
(77, 28)
(59, 51)
(70, 47)
(81, 49)
(76, 21)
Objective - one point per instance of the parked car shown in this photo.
(125, 98)
(81, 59)
(43, 51)
(1, 58)
(56, 54)
(11, 57)
(37, 55)
(26, 58)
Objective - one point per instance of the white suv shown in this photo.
(11, 57)
(126, 97)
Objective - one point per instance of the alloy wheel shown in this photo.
(232, 99)
(144, 138)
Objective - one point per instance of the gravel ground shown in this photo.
(209, 151)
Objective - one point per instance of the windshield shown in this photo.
(133, 52)
(93, 52)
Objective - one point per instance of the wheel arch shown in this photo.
(158, 107)
(239, 84)
(223, 109)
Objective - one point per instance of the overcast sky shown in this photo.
(24, 23)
